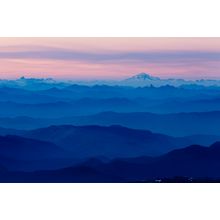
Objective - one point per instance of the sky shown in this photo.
(109, 58)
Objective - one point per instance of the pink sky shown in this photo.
(101, 58)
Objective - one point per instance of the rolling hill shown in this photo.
(112, 141)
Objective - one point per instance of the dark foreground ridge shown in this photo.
(191, 164)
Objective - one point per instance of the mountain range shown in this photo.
(94, 141)
(178, 124)
(139, 129)
(138, 80)
(89, 106)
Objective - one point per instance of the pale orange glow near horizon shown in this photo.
(109, 58)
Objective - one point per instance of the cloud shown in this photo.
(148, 56)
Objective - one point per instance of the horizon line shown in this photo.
(57, 78)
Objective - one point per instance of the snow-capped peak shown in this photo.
(144, 76)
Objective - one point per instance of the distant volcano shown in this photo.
(146, 79)
(144, 76)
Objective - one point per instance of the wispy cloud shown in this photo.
(159, 56)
